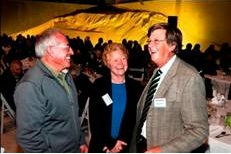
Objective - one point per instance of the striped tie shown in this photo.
(148, 101)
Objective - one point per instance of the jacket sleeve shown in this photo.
(194, 116)
(29, 118)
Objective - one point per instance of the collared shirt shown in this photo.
(60, 77)
(164, 71)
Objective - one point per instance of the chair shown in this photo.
(84, 120)
(136, 73)
(5, 108)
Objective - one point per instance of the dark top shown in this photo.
(7, 86)
(100, 114)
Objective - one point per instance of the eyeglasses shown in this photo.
(66, 47)
(156, 41)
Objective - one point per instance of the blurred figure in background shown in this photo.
(28, 62)
(7, 55)
(8, 81)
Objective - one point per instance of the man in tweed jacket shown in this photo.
(177, 119)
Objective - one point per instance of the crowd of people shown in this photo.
(210, 60)
(48, 78)
(86, 65)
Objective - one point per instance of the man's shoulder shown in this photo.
(187, 68)
(34, 75)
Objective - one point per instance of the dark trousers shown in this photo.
(141, 144)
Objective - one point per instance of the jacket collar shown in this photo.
(166, 83)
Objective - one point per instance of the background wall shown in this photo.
(18, 15)
(201, 21)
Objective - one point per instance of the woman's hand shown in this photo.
(105, 149)
(118, 147)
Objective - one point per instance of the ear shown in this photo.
(49, 51)
(172, 47)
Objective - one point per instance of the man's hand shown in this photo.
(155, 149)
(83, 148)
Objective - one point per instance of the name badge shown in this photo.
(160, 102)
(107, 99)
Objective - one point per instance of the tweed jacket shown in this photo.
(46, 115)
(182, 125)
(101, 114)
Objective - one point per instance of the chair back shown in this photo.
(136, 73)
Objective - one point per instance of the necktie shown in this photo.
(148, 101)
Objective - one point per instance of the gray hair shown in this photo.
(45, 39)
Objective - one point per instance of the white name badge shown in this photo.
(160, 102)
(107, 99)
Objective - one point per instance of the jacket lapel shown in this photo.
(166, 82)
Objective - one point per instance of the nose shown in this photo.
(150, 47)
(71, 51)
(122, 62)
(151, 44)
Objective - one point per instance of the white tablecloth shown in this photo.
(2, 150)
(219, 145)
(222, 144)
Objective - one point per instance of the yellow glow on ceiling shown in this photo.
(202, 22)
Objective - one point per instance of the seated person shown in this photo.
(8, 81)
(83, 83)
(28, 62)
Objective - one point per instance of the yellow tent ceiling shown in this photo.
(132, 25)
(203, 22)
